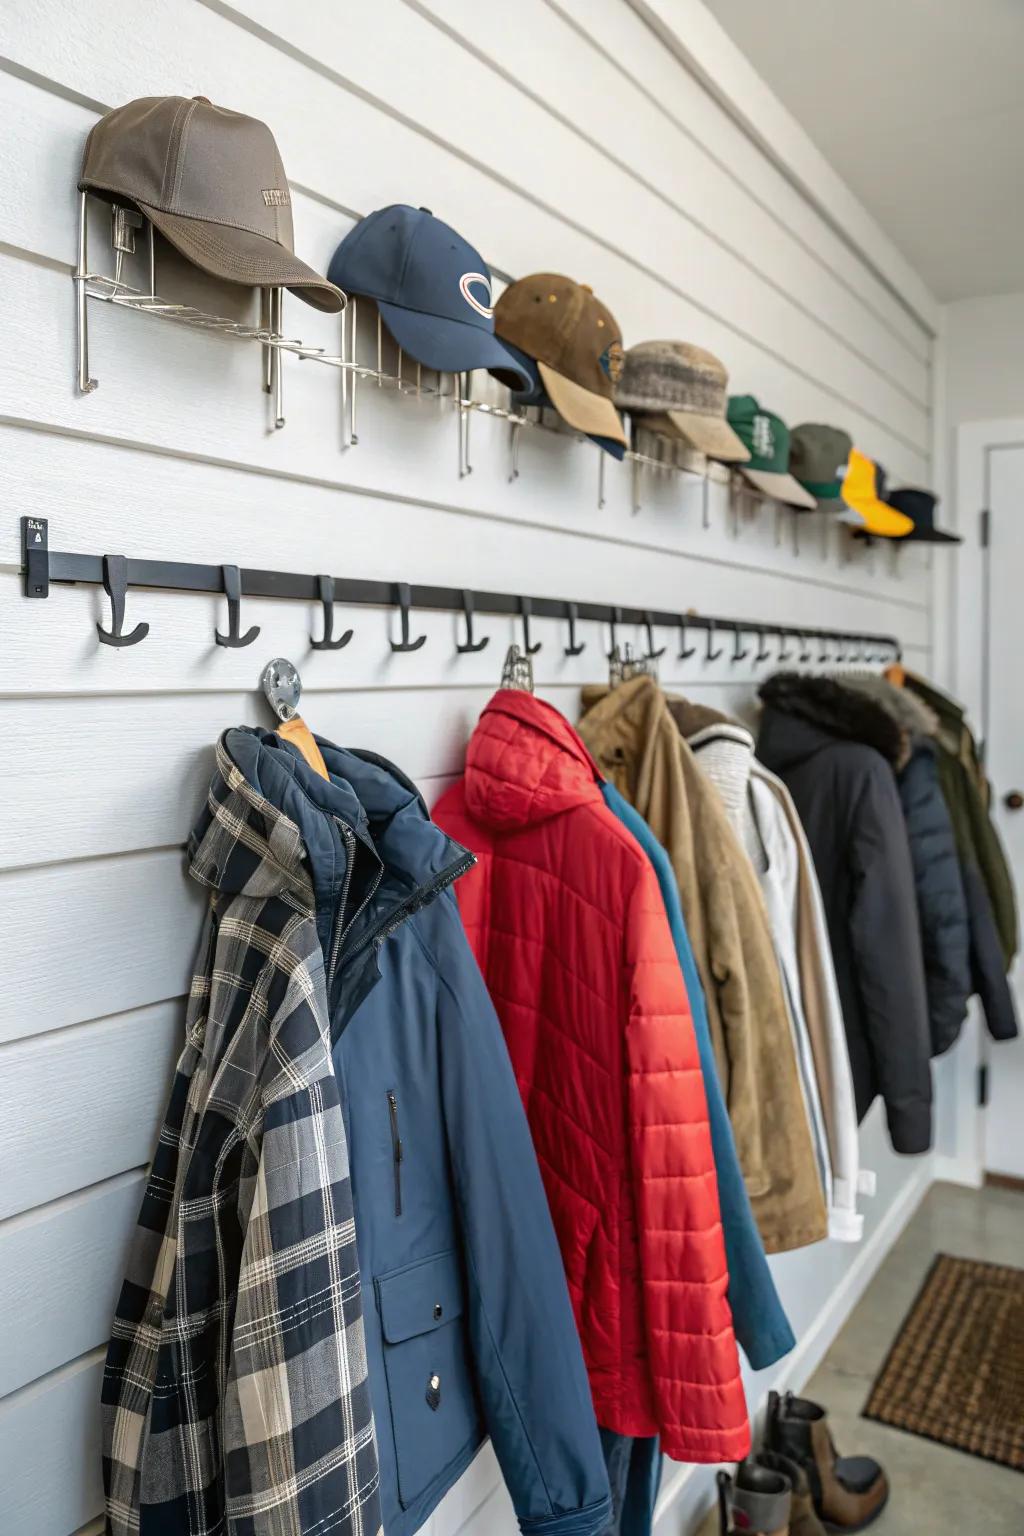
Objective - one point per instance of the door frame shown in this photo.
(960, 1138)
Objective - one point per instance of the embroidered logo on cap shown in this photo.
(613, 360)
(465, 282)
(275, 197)
(764, 437)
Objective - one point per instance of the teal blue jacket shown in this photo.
(762, 1327)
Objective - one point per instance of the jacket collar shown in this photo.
(723, 748)
(818, 711)
(525, 764)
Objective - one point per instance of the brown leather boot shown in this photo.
(803, 1521)
(755, 1501)
(849, 1492)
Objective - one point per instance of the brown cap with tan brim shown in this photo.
(681, 390)
(575, 343)
(211, 181)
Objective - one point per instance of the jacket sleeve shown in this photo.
(885, 939)
(691, 1346)
(992, 860)
(533, 1382)
(988, 972)
(941, 903)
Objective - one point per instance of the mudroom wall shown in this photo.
(570, 137)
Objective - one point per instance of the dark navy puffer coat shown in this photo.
(469, 1329)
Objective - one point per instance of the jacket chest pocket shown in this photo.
(431, 1391)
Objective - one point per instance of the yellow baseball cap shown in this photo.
(863, 490)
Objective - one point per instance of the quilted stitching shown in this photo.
(566, 919)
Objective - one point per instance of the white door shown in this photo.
(1004, 708)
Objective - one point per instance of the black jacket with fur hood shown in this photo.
(838, 753)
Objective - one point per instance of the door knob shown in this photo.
(1013, 800)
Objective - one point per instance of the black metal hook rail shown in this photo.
(41, 566)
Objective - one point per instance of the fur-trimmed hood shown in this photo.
(909, 711)
(829, 710)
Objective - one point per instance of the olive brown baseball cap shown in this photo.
(818, 455)
(576, 344)
(211, 181)
(681, 391)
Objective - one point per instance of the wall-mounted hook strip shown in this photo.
(651, 654)
(115, 584)
(711, 652)
(613, 624)
(685, 651)
(325, 589)
(469, 644)
(234, 639)
(763, 652)
(403, 597)
(525, 610)
(575, 647)
(739, 650)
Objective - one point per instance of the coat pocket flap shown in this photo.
(420, 1297)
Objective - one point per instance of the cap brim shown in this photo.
(451, 346)
(709, 434)
(932, 536)
(581, 408)
(240, 256)
(876, 518)
(780, 488)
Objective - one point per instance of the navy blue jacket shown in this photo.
(762, 1327)
(469, 1328)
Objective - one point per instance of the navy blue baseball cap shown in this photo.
(432, 288)
(538, 395)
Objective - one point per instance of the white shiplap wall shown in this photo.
(561, 136)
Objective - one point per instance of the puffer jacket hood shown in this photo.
(566, 919)
(469, 1329)
(838, 752)
(525, 764)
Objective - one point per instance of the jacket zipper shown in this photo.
(397, 1150)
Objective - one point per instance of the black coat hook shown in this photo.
(762, 653)
(404, 597)
(233, 592)
(115, 584)
(525, 609)
(739, 651)
(469, 644)
(651, 654)
(575, 647)
(685, 651)
(709, 654)
(325, 586)
(823, 655)
(805, 648)
(785, 654)
(613, 624)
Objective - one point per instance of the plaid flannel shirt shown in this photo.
(235, 1395)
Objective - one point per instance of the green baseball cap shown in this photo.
(766, 438)
(817, 457)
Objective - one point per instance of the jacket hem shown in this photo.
(845, 1226)
(589, 1521)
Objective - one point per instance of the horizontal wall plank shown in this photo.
(649, 304)
(50, 1451)
(95, 938)
(106, 1090)
(60, 1274)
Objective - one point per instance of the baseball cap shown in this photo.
(863, 490)
(817, 456)
(766, 438)
(211, 181)
(681, 389)
(576, 344)
(432, 288)
(919, 506)
(538, 395)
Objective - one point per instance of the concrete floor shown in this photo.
(935, 1491)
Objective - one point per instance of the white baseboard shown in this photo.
(689, 1490)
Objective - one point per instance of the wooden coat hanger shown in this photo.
(282, 687)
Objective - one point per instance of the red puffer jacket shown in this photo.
(566, 919)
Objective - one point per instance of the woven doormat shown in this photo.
(956, 1371)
